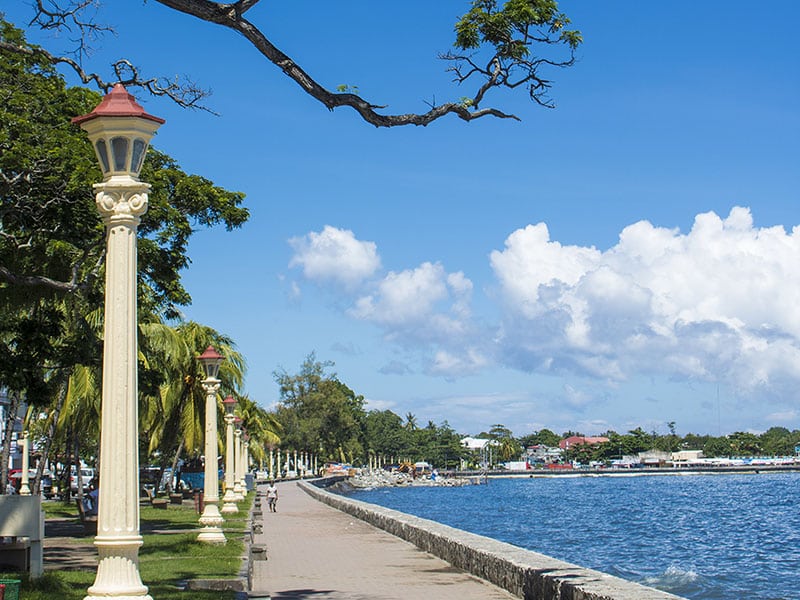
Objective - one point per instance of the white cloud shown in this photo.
(451, 364)
(427, 302)
(395, 367)
(785, 416)
(717, 303)
(334, 255)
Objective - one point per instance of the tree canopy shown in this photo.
(52, 254)
(511, 45)
(52, 239)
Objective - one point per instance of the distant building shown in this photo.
(542, 455)
(476, 444)
(581, 440)
(684, 458)
(655, 458)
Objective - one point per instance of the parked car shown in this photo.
(87, 474)
(15, 478)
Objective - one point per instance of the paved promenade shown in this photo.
(316, 552)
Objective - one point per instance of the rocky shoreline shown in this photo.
(365, 480)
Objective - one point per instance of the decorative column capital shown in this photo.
(210, 385)
(121, 200)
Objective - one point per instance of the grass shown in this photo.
(58, 509)
(169, 556)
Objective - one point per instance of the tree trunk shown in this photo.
(175, 463)
(51, 432)
(77, 463)
(8, 430)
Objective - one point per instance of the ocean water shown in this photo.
(709, 537)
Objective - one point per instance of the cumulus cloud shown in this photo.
(452, 364)
(425, 298)
(425, 307)
(718, 302)
(334, 255)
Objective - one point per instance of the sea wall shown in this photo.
(523, 573)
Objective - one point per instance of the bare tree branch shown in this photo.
(230, 16)
(186, 94)
(508, 32)
(37, 281)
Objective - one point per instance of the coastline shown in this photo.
(633, 472)
(364, 479)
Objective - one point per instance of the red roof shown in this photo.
(117, 103)
(576, 440)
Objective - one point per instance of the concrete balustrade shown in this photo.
(528, 575)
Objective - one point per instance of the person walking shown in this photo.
(272, 496)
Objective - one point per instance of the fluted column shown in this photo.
(271, 464)
(245, 465)
(237, 470)
(24, 488)
(229, 500)
(121, 202)
(211, 519)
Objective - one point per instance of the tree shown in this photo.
(717, 446)
(173, 418)
(319, 413)
(498, 45)
(383, 433)
(262, 427)
(52, 239)
(779, 441)
(545, 437)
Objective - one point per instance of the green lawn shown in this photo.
(169, 557)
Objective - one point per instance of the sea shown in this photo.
(700, 536)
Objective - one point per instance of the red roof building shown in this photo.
(577, 440)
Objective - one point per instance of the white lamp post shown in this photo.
(120, 132)
(24, 488)
(211, 519)
(237, 484)
(245, 463)
(271, 464)
(229, 500)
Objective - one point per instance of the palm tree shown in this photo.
(262, 427)
(411, 422)
(174, 416)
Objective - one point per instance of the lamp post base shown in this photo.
(212, 521)
(238, 492)
(212, 535)
(118, 569)
(229, 500)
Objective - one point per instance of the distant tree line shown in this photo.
(320, 414)
(776, 441)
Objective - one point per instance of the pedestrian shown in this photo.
(272, 496)
(90, 499)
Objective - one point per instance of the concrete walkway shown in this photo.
(316, 552)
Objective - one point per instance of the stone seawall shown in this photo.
(525, 574)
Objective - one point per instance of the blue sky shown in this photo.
(627, 259)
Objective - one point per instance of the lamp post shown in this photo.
(229, 500)
(120, 131)
(245, 463)
(271, 464)
(24, 488)
(237, 484)
(211, 519)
